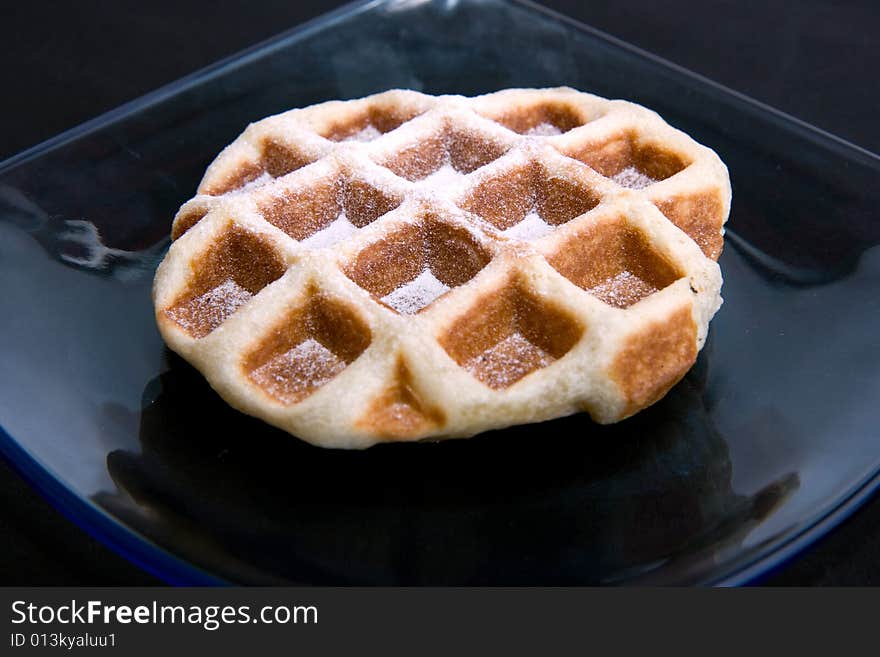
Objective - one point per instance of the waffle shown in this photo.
(404, 266)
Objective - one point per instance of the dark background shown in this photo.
(66, 62)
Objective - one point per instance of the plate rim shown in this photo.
(177, 571)
(90, 518)
(323, 20)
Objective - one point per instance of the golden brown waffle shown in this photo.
(405, 266)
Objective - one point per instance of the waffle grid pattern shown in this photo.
(403, 266)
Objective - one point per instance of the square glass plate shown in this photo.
(767, 442)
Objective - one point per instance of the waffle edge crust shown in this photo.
(404, 266)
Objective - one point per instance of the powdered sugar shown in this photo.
(445, 176)
(403, 414)
(250, 186)
(299, 370)
(368, 133)
(532, 227)
(411, 297)
(204, 313)
(623, 290)
(336, 231)
(508, 361)
(543, 130)
(632, 178)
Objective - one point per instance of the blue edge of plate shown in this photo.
(175, 571)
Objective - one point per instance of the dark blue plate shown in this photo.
(768, 442)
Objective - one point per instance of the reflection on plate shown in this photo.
(606, 503)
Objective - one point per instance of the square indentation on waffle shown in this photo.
(327, 204)
(190, 213)
(400, 411)
(370, 119)
(418, 261)
(437, 152)
(612, 260)
(313, 343)
(510, 332)
(544, 115)
(629, 159)
(236, 267)
(272, 157)
(525, 200)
